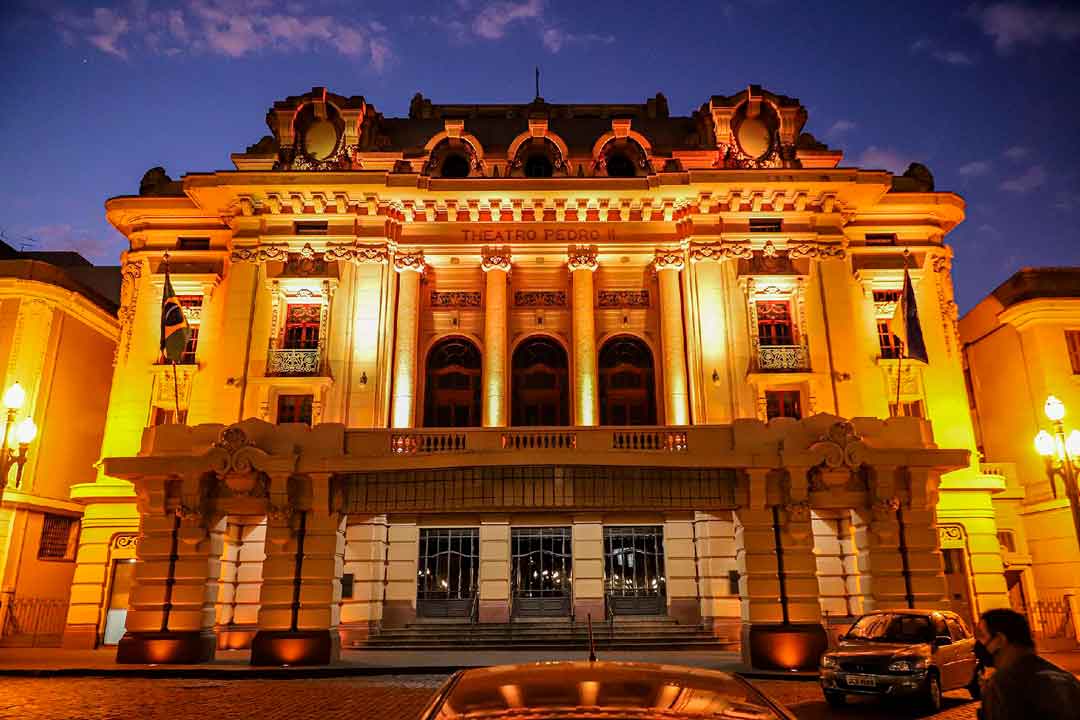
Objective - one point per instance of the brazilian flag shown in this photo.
(906, 325)
(174, 327)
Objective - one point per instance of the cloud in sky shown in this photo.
(974, 168)
(493, 19)
(884, 158)
(64, 236)
(1032, 178)
(555, 39)
(234, 28)
(840, 127)
(949, 56)
(1012, 24)
(1017, 152)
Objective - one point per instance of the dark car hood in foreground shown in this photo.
(599, 689)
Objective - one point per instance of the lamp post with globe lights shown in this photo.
(1061, 453)
(23, 432)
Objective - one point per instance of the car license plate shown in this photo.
(861, 680)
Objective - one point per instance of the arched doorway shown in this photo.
(627, 390)
(540, 383)
(452, 388)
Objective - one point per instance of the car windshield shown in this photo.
(888, 627)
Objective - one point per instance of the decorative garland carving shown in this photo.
(409, 261)
(455, 299)
(129, 296)
(840, 447)
(123, 542)
(582, 257)
(361, 254)
(730, 155)
(495, 258)
(719, 251)
(819, 251)
(622, 299)
(260, 254)
(540, 298)
(668, 260)
(950, 315)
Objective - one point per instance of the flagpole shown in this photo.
(175, 380)
(903, 347)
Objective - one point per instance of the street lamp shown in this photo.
(24, 433)
(1061, 453)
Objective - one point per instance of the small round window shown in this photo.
(455, 166)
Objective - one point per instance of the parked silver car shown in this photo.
(901, 653)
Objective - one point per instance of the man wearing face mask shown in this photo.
(1023, 684)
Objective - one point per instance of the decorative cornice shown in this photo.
(668, 260)
(582, 257)
(719, 251)
(409, 261)
(495, 258)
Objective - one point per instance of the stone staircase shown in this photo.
(635, 633)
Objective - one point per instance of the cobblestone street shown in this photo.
(379, 698)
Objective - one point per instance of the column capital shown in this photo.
(581, 257)
(668, 260)
(409, 261)
(719, 250)
(495, 258)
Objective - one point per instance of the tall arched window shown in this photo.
(540, 386)
(627, 390)
(452, 390)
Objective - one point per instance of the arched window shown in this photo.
(538, 165)
(540, 384)
(619, 164)
(452, 390)
(627, 390)
(454, 165)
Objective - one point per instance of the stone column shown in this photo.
(780, 609)
(399, 606)
(495, 570)
(240, 581)
(715, 537)
(582, 263)
(365, 560)
(301, 590)
(680, 566)
(588, 557)
(668, 264)
(410, 267)
(171, 606)
(496, 266)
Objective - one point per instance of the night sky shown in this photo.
(983, 94)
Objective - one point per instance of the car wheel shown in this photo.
(835, 699)
(932, 697)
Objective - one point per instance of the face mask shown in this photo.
(983, 655)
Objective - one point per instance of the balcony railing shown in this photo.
(293, 362)
(783, 358)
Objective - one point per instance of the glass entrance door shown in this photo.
(541, 571)
(634, 579)
(447, 572)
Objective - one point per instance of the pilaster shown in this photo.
(494, 570)
(410, 267)
(588, 554)
(496, 266)
(582, 263)
(668, 265)
(365, 560)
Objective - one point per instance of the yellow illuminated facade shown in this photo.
(532, 361)
(1022, 347)
(58, 331)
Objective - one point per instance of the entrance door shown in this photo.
(447, 572)
(541, 570)
(116, 613)
(956, 581)
(634, 579)
(1014, 581)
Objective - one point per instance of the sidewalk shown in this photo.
(52, 662)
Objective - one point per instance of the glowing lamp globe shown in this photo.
(1054, 409)
(14, 397)
(25, 432)
(1072, 444)
(1044, 444)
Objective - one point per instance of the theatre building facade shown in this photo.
(493, 366)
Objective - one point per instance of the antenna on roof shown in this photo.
(537, 82)
(26, 243)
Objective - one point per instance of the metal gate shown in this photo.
(634, 579)
(541, 570)
(447, 572)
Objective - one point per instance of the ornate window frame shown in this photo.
(285, 291)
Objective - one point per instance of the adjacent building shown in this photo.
(58, 331)
(1021, 346)
(549, 362)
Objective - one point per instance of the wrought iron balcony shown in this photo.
(293, 362)
(783, 358)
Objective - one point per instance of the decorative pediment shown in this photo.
(840, 447)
